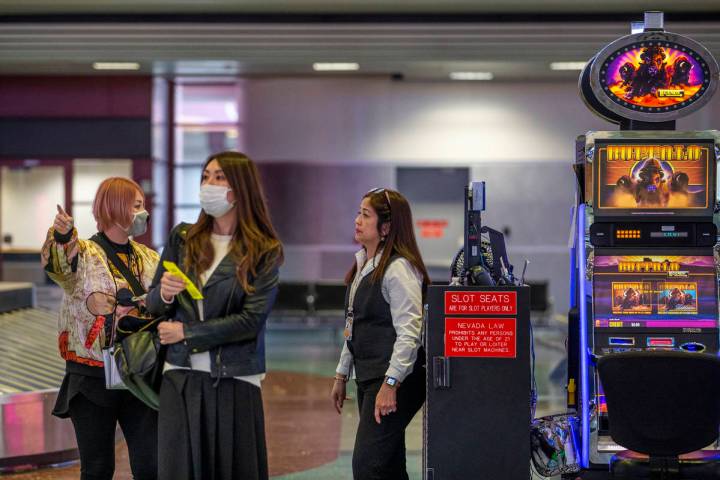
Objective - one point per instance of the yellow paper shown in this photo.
(189, 286)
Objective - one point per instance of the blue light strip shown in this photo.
(573, 272)
(584, 402)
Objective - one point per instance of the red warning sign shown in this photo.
(480, 303)
(432, 228)
(481, 337)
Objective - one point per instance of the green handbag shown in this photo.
(140, 358)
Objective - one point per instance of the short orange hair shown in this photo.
(114, 202)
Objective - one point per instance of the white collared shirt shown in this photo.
(402, 289)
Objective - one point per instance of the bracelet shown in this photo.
(341, 378)
(168, 302)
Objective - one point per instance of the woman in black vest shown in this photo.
(382, 335)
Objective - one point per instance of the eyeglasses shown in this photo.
(381, 190)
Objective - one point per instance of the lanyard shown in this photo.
(353, 289)
(349, 316)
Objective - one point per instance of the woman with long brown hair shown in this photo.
(383, 329)
(211, 421)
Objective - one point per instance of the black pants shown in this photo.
(95, 431)
(379, 452)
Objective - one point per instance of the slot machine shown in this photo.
(644, 260)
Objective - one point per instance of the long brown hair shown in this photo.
(393, 208)
(254, 240)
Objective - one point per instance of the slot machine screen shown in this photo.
(654, 291)
(646, 179)
(685, 71)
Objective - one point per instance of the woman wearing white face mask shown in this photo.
(211, 415)
(85, 273)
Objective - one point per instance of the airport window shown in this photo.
(208, 119)
(28, 197)
(87, 175)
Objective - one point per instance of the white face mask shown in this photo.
(213, 199)
(139, 224)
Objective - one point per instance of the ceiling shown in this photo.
(351, 6)
(285, 37)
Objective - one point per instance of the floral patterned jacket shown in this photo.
(83, 271)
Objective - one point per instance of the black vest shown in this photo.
(373, 333)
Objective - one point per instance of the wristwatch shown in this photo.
(391, 382)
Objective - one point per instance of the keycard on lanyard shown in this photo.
(347, 333)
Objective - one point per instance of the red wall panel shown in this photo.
(76, 97)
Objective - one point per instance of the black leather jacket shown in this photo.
(234, 326)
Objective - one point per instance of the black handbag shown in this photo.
(139, 356)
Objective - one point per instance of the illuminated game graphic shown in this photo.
(648, 177)
(654, 291)
(654, 76)
(632, 298)
(678, 298)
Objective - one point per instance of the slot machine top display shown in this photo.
(650, 76)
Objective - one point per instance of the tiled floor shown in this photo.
(307, 439)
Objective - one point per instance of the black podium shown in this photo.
(477, 411)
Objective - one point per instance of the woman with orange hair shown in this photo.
(211, 414)
(85, 273)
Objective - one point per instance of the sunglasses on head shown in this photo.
(380, 190)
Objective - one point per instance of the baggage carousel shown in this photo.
(30, 373)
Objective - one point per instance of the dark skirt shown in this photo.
(210, 432)
(88, 381)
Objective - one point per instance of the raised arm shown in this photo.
(59, 253)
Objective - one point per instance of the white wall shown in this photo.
(520, 137)
(378, 120)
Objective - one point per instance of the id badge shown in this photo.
(347, 333)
